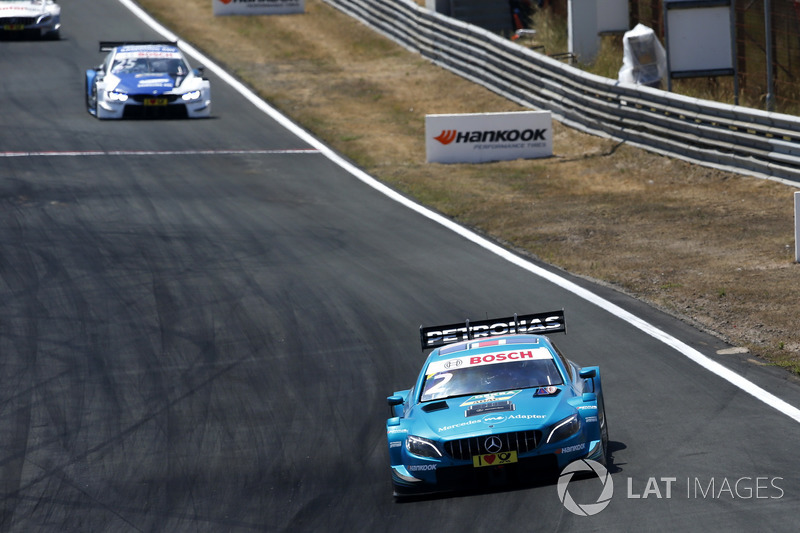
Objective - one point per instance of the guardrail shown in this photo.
(732, 138)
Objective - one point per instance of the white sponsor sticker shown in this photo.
(489, 359)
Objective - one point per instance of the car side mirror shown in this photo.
(588, 373)
(200, 71)
(394, 400)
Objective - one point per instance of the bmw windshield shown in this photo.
(136, 63)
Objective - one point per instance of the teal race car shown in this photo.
(496, 402)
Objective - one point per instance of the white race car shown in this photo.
(146, 80)
(30, 18)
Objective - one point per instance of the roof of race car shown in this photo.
(488, 344)
(139, 46)
(148, 49)
(475, 344)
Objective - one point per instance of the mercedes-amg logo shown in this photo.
(493, 444)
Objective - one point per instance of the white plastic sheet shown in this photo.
(644, 60)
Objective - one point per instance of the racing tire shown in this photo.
(604, 439)
(91, 98)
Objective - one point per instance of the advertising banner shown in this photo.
(258, 7)
(481, 137)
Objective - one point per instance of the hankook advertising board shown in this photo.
(258, 7)
(481, 137)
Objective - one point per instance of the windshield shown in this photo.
(496, 377)
(149, 65)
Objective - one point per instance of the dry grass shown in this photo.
(714, 248)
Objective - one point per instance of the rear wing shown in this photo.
(107, 46)
(539, 323)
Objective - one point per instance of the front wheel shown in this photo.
(91, 98)
(603, 436)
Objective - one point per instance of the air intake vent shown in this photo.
(435, 406)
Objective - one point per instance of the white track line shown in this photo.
(689, 352)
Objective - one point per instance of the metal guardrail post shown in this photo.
(797, 226)
(768, 47)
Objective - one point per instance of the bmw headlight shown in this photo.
(114, 96)
(422, 447)
(565, 429)
(191, 95)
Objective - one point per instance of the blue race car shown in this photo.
(146, 79)
(495, 402)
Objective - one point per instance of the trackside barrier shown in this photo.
(733, 138)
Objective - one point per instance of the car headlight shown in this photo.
(114, 96)
(422, 447)
(565, 429)
(191, 95)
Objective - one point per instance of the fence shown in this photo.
(733, 138)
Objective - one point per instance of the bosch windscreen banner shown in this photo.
(258, 7)
(481, 137)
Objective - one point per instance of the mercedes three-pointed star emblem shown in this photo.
(493, 444)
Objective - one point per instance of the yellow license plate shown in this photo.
(14, 27)
(155, 101)
(494, 459)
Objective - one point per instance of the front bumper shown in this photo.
(24, 28)
(527, 471)
(418, 476)
(176, 108)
